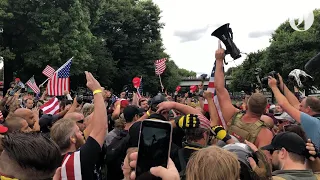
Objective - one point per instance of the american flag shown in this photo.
(51, 107)
(71, 166)
(160, 66)
(33, 85)
(215, 98)
(140, 89)
(48, 71)
(1, 116)
(60, 80)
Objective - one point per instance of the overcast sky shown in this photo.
(189, 24)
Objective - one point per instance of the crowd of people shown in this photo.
(99, 139)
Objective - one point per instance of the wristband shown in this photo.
(97, 91)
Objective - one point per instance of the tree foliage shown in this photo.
(115, 39)
(288, 50)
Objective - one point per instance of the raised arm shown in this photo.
(228, 110)
(288, 94)
(99, 119)
(214, 118)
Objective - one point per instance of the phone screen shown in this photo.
(154, 147)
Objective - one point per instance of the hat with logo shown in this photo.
(291, 141)
(285, 116)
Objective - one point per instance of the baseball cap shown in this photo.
(272, 106)
(204, 122)
(3, 129)
(124, 103)
(291, 141)
(129, 112)
(285, 116)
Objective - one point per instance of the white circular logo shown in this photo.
(307, 19)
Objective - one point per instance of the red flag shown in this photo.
(60, 80)
(48, 71)
(51, 107)
(160, 66)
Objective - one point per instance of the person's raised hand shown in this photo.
(92, 83)
(272, 82)
(220, 54)
(207, 95)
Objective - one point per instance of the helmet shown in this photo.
(159, 98)
(243, 152)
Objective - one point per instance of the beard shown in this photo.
(79, 142)
(275, 167)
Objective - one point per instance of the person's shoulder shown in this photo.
(308, 117)
(265, 135)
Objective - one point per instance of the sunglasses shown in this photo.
(81, 121)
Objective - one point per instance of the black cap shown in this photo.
(129, 112)
(291, 141)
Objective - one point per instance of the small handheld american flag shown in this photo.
(33, 85)
(60, 80)
(48, 71)
(160, 66)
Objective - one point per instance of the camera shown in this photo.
(84, 95)
(264, 80)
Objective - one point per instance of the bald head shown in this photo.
(74, 116)
(22, 112)
(26, 114)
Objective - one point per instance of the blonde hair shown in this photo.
(213, 163)
(87, 109)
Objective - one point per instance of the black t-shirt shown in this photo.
(186, 156)
(89, 156)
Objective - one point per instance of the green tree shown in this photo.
(186, 73)
(288, 50)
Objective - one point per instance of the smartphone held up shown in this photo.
(154, 147)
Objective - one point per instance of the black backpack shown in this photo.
(116, 152)
(183, 164)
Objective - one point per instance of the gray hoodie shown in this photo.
(295, 174)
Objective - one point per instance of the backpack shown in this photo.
(183, 164)
(115, 155)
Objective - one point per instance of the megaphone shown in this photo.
(224, 33)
